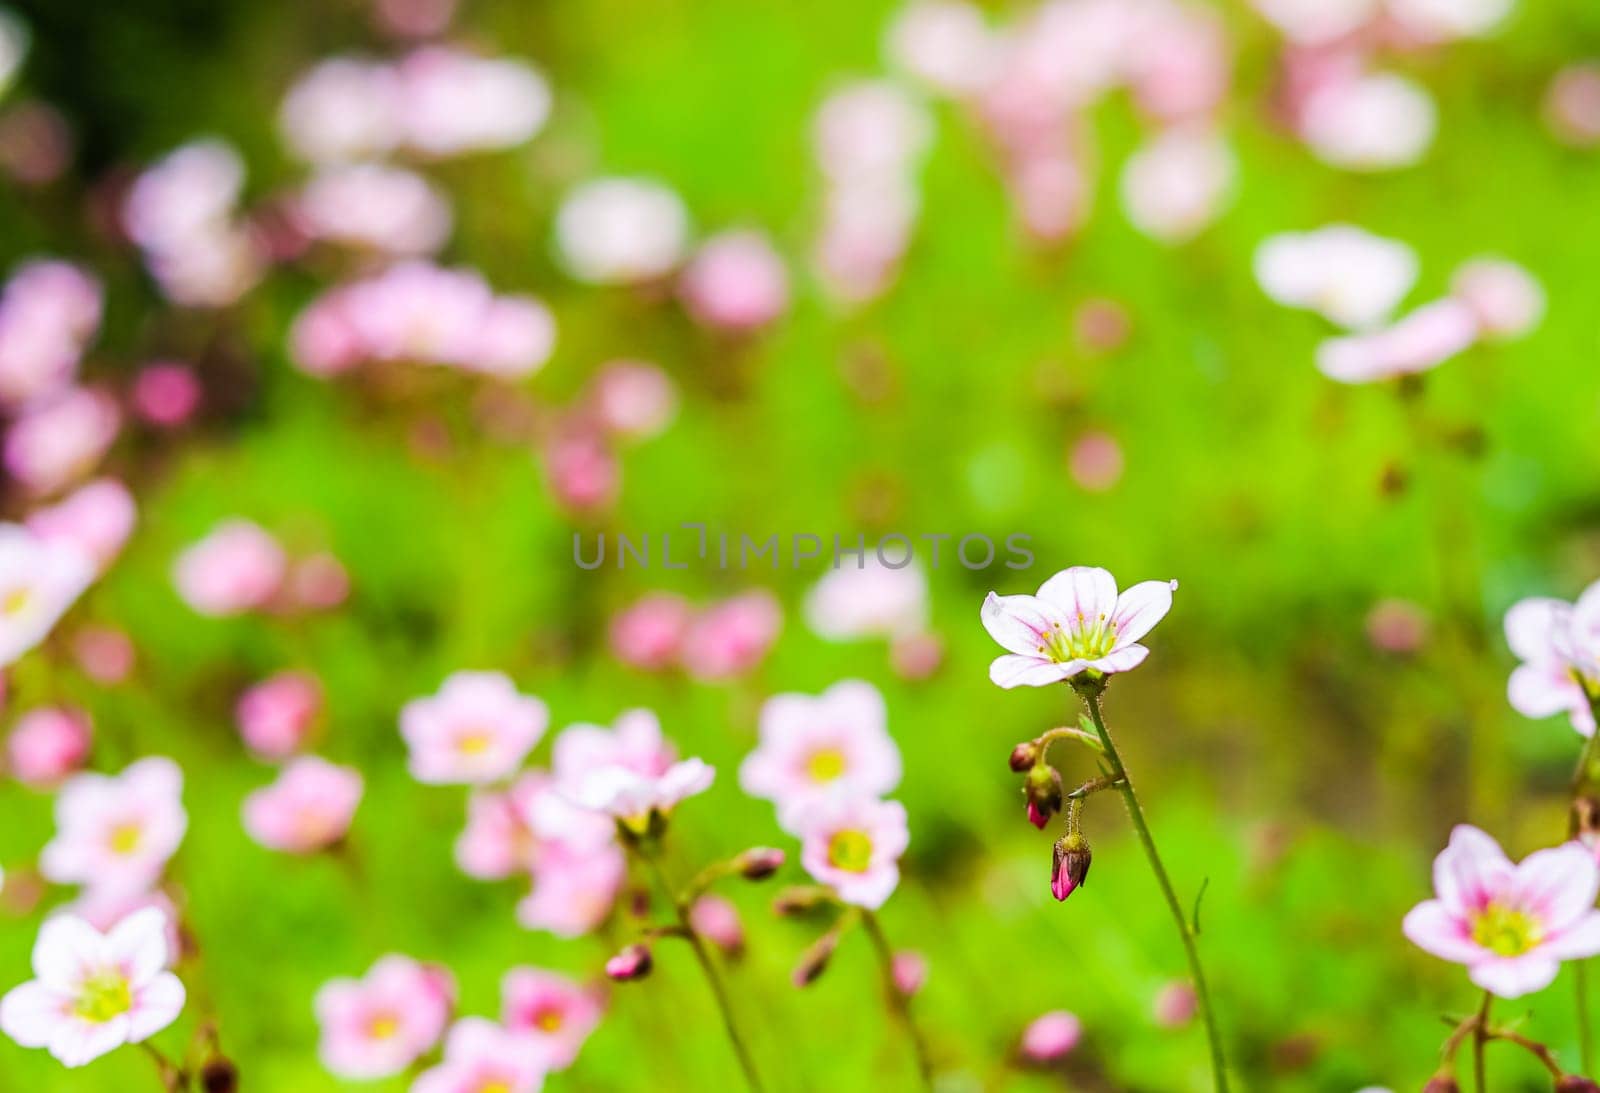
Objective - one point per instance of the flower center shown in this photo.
(1085, 640)
(850, 851)
(1506, 931)
(15, 601)
(124, 838)
(383, 1026)
(103, 996)
(495, 1085)
(474, 741)
(825, 764)
(548, 1019)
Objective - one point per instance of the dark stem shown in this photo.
(898, 1002)
(1480, 1037)
(173, 1078)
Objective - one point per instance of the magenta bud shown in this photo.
(1042, 789)
(910, 972)
(1069, 867)
(1024, 755)
(759, 862)
(633, 962)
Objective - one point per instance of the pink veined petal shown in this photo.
(1543, 688)
(30, 1013)
(139, 944)
(1082, 591)
(1531, 624)
(1141, 607)
(1514, 976)
(1558, 884)
(1013, 671)
(76, 1041)
(155, 1007)
(1122, 659)
(65, 947)
(872, 889)
(1470, 870)
(1020, 623)
(1577, 941)
(1432, 928)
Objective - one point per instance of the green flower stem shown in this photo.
(1186, 930)
(898, 1002)
(719, 989)
(1480, 1037)
(1581, 778)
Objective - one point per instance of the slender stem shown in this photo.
(173, 1078)
(680, 907)
(1580, 976)
(898, 1002)
(1219, 1075)
(1580, 983)
(1480, 1037)
(1537, 1050)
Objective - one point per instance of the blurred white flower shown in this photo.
(1375, 122)
(1178, 183)
(1347, 274)
(620, 230)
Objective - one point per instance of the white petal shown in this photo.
(1021, 623)
(65, 947)
(1513, 977)
(139, 943)
(30, 1013)
(1013, 671)
(1083, 591)
(155, 1006)
(1141, 607)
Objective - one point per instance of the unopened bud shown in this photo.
(759, 862)
(1042, 788)
(815, 960)
(1576, 1083)
(633, 962)
(1069, 867)
(1024, 755)
(797, 901)
(219, 1076)
(1586, 819)
(716, 920)
(1442, 1083)
(910, 972)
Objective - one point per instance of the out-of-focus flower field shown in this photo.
(335, 339)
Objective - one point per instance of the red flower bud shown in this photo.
(1023, 756)
(759, 862)
(633, 962)
(1069, 867)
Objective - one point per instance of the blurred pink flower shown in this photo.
(275, 716)
(477, 729)
(482, 1057)
(39, 580)
(523, 827)
(1416, 342)
(1318, 22)
(853, 845)
(378, 1025)
(873, 600)
(634, 742)
(237, 567)
(870, 129)
(553, 1013)
(916, 656)
(1348, 275)
(117, 832)
(812, 748)
(94, 991)
(717, 920)
(1443, 20)
(1179, 66)
(582, 470)
(1077, 623)
(633, 399)
(166, 394)
(573, 890)
(1572, 105)
(736, 281)
(1397, 626)
(105, 653)
(1178, 183)
(49, 311)
(946, 45)
(621, 230)
(1547, 636)
(387, 209)
(54, 443)
(48, 744)
(345, 109)
(910, 970)
(633, 798)
(414, 18)
(1372, 122)
(1050, 1036)
(96, 520)
(319, 582)
(308, 808)
(1095, 461)
(732, 637)
(649, 634)
(1506, 299)
(1175, 1004)
(106, 908)
(1511, 925)
(453, 102)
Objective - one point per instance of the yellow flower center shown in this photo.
(103, 996)
(1506, 931)
(1086, 640)
(383, 1026)
(850, 851)
(474, 741)
(125, 838)
(495, 1085)
(825, 764)
(548, 1020)
(15, 601)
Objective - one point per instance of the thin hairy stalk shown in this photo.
(1480, 1037)
(1581, 776)
(1186, 931)
(719, 989)
(173, 1078)
(898, 1002)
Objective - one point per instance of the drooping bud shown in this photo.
(1586, 819)
(1576, 1083)
(1442, 1083)
(815, 960)
(1042, 788)
(1024, 755)
(1069, 867)
(633, 962)
(800, 899)
(759, 862)
(219, 1076)
(716, 920)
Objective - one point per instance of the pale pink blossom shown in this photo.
(523, 827)
(106, 908)
(634, 742)
(380, 1024)
(813, 747)
(582, 470)
(1442, 20)
(1548, 636)
(166, 394)
(452, 102)
(1050, 1036)
(105, 653)
(1417, 342)
(717, 920)
(96, 519)
(387, 209)
(48, 744)
(54, 443)
(39, 580)
(94, 991)
(117, 832)
(573, 892)
(477, 729)
(1178, 183)
(872, 600)
(554, 1014)
(308, 808)
(621, 230)
(946, 45)
(649, 634)
(870, 129)
(1179, 65)
(634, 799)
(483, 1057)
(1077, 623)
(633, 399)
(1317, 22)
(732, 637)
(736, 281)
(1348, 275)
(275, 716)
(1571, 106)
(49, 311)
(1095, 461)
(1511, 925)
(343, 110)
(1372, 122)
(237, 567)
(910, 972)
(1506, 299)
(853, 845)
